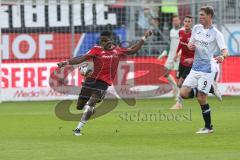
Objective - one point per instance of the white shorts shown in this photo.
(171, 64)
(200, 80)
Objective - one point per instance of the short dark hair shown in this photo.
(108, 27)
(106, 33)
(208, 10)
(188, 16)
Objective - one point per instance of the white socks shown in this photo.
(85, 116)
(80, 125)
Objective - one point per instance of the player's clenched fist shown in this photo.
(148, 33)
(219, 59)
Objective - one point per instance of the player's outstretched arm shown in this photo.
(75, 60)
(139, 44)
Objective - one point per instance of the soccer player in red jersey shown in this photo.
(186, 59)
(105, 57)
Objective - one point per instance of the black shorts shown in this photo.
(95, 87)
(183, 71)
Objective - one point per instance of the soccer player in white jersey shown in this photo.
(205, 40)
(170, 63)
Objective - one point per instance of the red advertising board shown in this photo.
(30, 81)
(37, 46)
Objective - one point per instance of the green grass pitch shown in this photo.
(31, 131)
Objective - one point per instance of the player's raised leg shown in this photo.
(172, 81)
(189, 87)
(179, 99)
(96, 97)
(182, 74)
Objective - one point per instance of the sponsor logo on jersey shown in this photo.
(202, 43)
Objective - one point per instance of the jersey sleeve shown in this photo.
(179, 47)
(122, 51)
(220, 41)
(93, 51)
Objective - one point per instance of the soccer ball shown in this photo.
(85, 69)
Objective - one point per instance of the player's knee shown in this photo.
(81, 104)
(184, 94)
(202, 98)
(179, 84)
(92, 101)
(87, 113)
